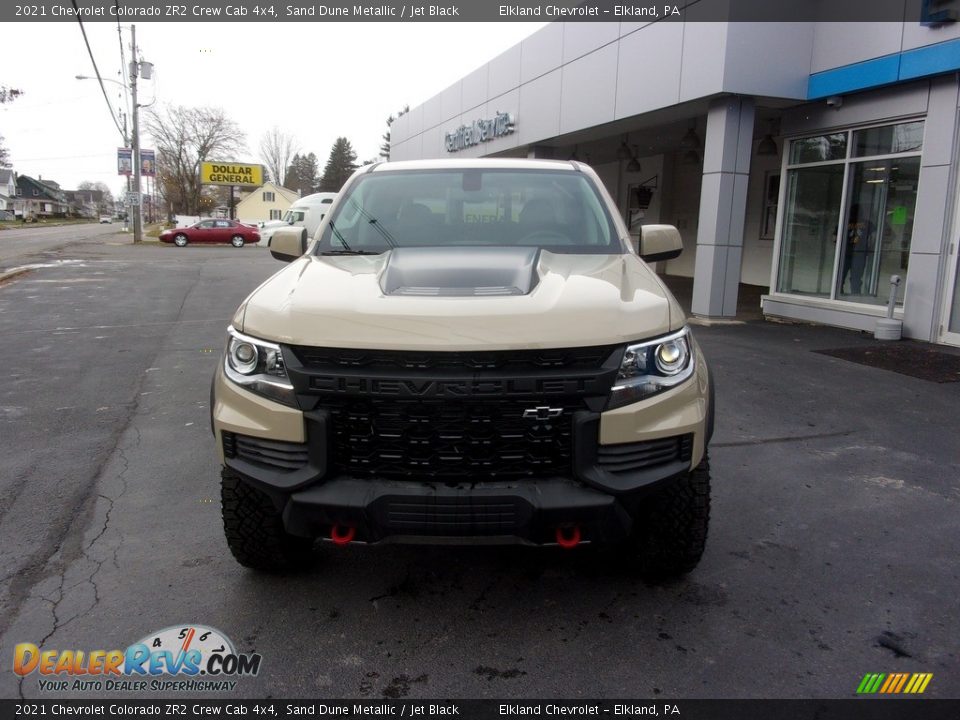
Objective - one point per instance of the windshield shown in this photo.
(559, 211)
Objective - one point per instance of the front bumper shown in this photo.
(619, 458)
(382, 511)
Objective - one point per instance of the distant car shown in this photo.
(269, 227)
(105, 219)
(212, 231)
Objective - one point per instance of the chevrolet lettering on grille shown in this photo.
(452, 388)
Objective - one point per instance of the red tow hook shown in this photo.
(342, 535)
(568, 537)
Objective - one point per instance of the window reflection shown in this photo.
(878, 204)
(819, 148)
(810, 229)
(876, 241)
(889, 139)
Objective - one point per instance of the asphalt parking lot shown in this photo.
(832, 550)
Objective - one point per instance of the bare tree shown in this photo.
(7, 94)
(184, 138)
(277, 148)
(106, 202)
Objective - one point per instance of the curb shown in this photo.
(9, 274)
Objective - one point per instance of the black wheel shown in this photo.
(180, 240)
(670, 530)
(254, 529)
(237, 241)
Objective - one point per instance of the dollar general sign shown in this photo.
(212, 173)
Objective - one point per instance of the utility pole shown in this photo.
(126, 140)
(134, 70)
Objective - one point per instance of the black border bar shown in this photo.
(933, 13)
(893, 708)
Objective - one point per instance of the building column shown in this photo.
(923, 298)
(723, 206)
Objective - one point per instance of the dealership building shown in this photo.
(813, 159)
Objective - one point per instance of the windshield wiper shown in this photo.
(339, 237)
(376, 224)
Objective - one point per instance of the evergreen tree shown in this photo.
(385, 145)
(302, 174)
(340, 165)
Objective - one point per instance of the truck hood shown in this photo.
(576, 301)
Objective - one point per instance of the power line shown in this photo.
(123, 59)
(83, 30)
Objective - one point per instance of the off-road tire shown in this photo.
(670, 532)
(254, 529)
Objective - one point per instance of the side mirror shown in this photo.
(287, 244)
(660, 242)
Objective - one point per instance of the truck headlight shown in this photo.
(257, 365)
(651, 367)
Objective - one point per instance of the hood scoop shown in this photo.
(460, 271)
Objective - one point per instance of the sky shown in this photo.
(316, 81)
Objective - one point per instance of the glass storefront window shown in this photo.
(810, 230)
(876, 242)
(866, 205)
(819, 149)
(889, 139)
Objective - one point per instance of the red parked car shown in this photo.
(212, 231)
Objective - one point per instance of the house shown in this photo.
(268, 202)
(88, 203)
(41, 198)
(8, 192)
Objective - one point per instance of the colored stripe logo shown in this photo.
(894, 683)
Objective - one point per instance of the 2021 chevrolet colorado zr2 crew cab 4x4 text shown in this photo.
(466, 352)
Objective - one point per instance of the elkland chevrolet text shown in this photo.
(466, 352)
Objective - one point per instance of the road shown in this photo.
(33, 240)
(829, 554)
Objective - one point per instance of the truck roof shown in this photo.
(477, 163)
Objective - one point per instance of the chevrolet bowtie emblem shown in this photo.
(542, 413)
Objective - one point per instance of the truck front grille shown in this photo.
(452, 416)
(445, 440)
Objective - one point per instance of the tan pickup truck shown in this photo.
(466, 352)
